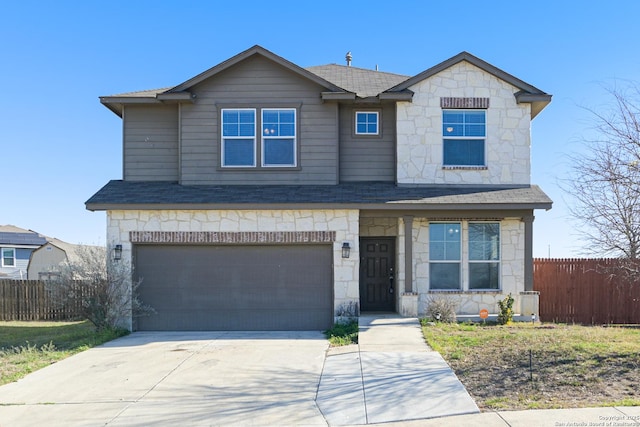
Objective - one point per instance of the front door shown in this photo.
(377, 274)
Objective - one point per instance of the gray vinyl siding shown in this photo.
(151, 143)
(21, 263)
(259, 83)
(367, 158)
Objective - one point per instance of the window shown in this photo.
(484, 255)
(239, 137)
(444, 256)
(8, 257)
(277, 140)
(278, 137)
(367, 123)
(464, 133)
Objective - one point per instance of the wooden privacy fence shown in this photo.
(586, 291)
(32, 300)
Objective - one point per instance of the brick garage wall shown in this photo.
(128, 227)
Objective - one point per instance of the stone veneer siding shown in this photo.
(378, 227)
(247, 226)
(419, 129)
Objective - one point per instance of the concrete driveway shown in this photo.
(165, 378)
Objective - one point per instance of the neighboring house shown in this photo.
(16, 246)
(27, 255)
(261, 195)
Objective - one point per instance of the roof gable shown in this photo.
(255, 50)
(466, 56)
(527, 93)
(180, 93)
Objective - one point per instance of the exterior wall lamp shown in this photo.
(117, 252)
(346, 250)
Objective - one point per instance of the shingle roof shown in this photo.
(150, 93)
(361, 81)
(149, 195)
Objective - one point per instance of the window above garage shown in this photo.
(367, 123)
(275, 145)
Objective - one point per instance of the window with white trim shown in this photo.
(463, 135)
(8, 257)
(367, 123)
(239, 137)
(445, 256)
(275, 145)
(484, 255)
(278, 137)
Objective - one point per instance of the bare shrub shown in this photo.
(108, 292)
(441, 309)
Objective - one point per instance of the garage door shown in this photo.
(235, 287)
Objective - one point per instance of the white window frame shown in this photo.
(465, 260)
(13, 250)
(479, 261)
(293, 138)
(459, 261)
(377, 114)
(224, 138)
(464, 138)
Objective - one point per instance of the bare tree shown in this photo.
(605, 180)
(107, 291)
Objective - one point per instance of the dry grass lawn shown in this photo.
(571, 366)
(28, 346)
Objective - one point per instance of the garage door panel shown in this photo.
(236, 287)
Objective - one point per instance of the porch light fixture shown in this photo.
(117, 252)
(346, 250)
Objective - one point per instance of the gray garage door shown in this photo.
(235, 287)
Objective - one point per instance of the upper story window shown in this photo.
(278, 137)
(8, 257)
(239, 137)
(275, 143)
(367, 123)
(464, 133)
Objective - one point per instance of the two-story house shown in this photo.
(262, 195)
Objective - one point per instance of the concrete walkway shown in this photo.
(391, 375)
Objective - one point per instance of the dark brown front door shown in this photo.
(377, 274)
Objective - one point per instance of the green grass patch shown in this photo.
(571, 366)
(28, 346)
(344, 333)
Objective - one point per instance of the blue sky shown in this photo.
(59, 145)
